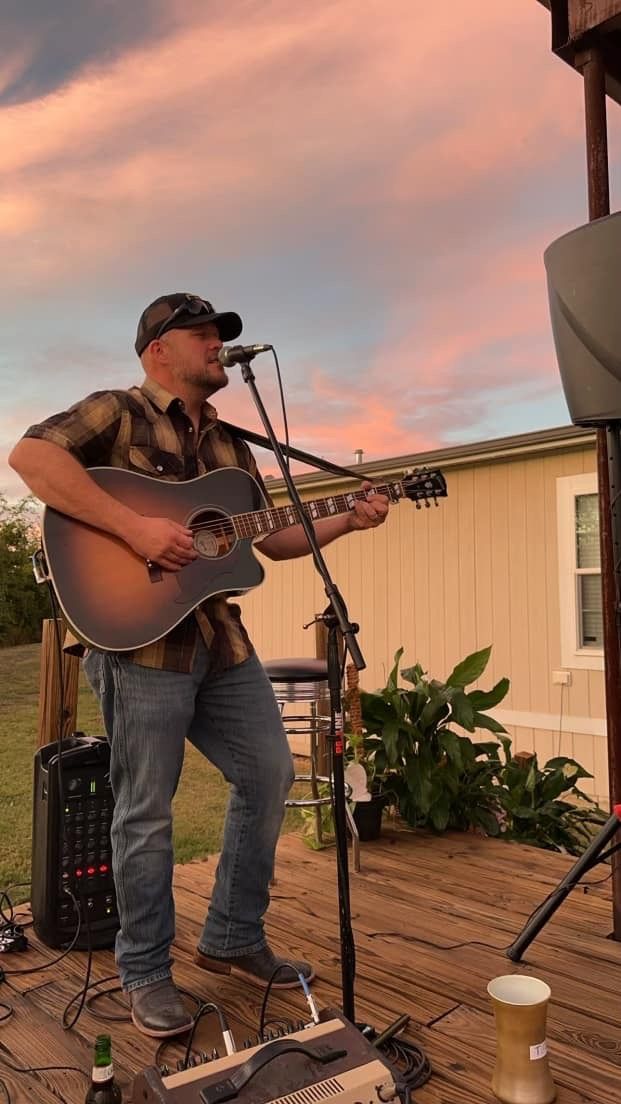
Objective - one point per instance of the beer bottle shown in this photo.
(104, 1089)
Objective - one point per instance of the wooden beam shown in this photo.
(58, 669)
(586, 15)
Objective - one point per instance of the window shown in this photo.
(582, 633)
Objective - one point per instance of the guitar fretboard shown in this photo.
(262, 522)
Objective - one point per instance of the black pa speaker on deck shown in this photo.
(584, 288)
(71, 843)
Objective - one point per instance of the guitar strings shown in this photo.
(226, 525)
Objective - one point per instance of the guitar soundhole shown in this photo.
(214, 535)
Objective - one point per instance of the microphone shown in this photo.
(239, 354)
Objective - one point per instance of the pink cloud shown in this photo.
(406, 143)
(263, 126)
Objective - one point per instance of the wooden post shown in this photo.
(53, 669)
(591, 65)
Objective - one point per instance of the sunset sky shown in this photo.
(371, 185)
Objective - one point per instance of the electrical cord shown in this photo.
(79, 911)
(108, 1017)
(204, 1010)
(12, 927)
(188, 1059)
(5, 974)
(408, 1061)
(268, 989)
(283, 408)
(490, 946)
(38, 1069)
(68, 1024)
(412, 1064)
(14, 918)
(45, 965)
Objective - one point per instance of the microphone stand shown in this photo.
(594, 854)
(335, 617)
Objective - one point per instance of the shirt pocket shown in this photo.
(155, 462)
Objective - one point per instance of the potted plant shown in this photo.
(535, 805)
(437, 776)
(441, 778)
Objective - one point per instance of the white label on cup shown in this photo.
(538, 1051)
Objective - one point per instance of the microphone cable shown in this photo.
(283, 408)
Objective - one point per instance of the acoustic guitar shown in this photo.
(114, 600)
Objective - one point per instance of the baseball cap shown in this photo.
(182, 310)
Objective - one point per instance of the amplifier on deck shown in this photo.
(329, 1062)
(71, 843)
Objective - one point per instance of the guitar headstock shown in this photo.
(424, 485)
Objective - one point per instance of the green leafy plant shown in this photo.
(23, 604)
(535, 806)
(309, 821)
(437, 776)
(441, 778)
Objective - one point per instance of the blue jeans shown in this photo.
(233, 719)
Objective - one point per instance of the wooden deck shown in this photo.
(415, 896)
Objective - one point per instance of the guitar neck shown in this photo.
(263, 522)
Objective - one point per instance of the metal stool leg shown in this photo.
(313, 778)
(313, 771)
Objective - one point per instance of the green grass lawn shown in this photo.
(199, 804)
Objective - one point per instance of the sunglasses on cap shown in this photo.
(192, 305)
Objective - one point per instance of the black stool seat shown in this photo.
(296, 670)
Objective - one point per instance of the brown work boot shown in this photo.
(258, 967)
(158, 1010)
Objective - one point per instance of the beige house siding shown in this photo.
(481, 568)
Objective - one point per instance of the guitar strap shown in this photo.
(294, 453)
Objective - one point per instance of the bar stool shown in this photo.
(306, 680)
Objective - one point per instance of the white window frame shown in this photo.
(567, 489)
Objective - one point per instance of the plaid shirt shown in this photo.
(147, 430)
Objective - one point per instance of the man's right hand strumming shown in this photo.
(162, 541)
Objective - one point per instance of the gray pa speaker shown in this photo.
(584, 288)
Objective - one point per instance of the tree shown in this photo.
(23, 603)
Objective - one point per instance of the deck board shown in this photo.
(416, 897)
